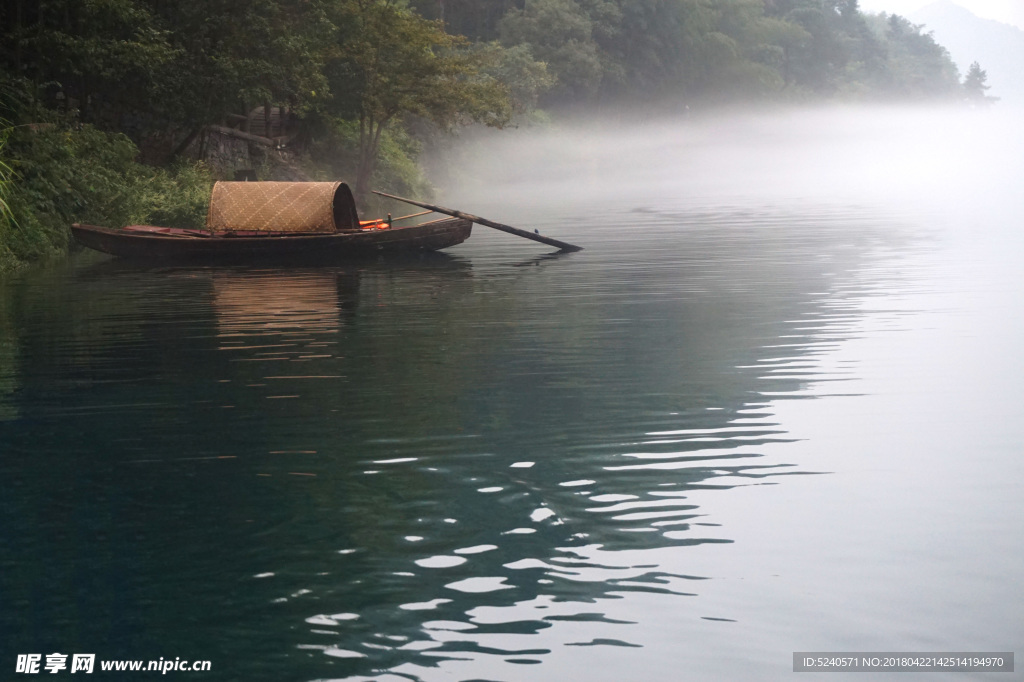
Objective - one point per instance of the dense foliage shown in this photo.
(107, 102)
(710, 50)
(57, 170)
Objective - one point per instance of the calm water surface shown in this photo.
(774, 406)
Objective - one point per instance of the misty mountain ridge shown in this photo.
(997, 47)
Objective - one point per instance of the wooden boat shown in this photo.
(260, 220)
(151, 242)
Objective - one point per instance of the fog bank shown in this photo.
(894, 156)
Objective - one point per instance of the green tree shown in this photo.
(525, 78)
(153, 68)
(234, 55)
(476, 19)
(559, 33)
(104, 56)
(394, 64)
(751, 58)
(976, 85)
(917, 66)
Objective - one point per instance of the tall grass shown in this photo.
(7, 220)
(6, 217)
(177, 196)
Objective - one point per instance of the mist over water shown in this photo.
(889, 239)
(869, 155)
(772, 406)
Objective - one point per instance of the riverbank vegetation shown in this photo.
(122, 111)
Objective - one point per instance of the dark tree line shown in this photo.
(641, 49)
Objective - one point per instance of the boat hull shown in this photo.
(165, 244)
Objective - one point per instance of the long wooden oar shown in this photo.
(489, 223)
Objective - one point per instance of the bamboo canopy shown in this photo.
(282, 207)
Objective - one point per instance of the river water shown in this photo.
(773, 406)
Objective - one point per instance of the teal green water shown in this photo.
(734, 427)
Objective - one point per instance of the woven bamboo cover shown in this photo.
(272, 206)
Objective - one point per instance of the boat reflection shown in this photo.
(254, 303)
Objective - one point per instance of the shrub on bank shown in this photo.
(57, 174)
(177, 196)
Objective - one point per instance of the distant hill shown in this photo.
(998, 47)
